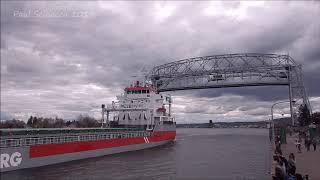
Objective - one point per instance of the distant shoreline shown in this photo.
(239, 124)
(259, 124)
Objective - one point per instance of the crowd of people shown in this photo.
(285, 169)
(307, 143)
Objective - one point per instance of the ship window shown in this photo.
(128, 92)
(139, 92)
(148, 91)
(144, 91)
(124, 117)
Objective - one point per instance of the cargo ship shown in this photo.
(139, 119)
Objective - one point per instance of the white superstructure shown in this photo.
(140, 105)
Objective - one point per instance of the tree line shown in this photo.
(41, 122)
(306, 118)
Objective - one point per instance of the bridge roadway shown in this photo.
(223, 86)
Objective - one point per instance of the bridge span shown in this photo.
(233, 70)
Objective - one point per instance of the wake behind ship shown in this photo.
(140, 119)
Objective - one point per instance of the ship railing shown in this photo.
(28, 141)
(56, 131)
(126, 106)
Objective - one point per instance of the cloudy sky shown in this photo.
(67, 58)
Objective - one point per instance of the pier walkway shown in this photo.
(307, 162)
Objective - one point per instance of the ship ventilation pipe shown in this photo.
(102, 113)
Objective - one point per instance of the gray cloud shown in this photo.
(69, 65)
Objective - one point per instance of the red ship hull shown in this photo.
(54, 149)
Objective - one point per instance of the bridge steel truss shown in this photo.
(233, 70)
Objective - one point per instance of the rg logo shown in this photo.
(7, 160)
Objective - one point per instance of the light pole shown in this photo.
(272, 114)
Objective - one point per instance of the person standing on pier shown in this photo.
(314, 143)
(308, 142)
(291, 165)
(298, 145)
(278, 145)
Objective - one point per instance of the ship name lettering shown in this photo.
(8, 160)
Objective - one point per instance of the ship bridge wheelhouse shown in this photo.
(140, 106)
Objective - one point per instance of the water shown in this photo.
(197, 154)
